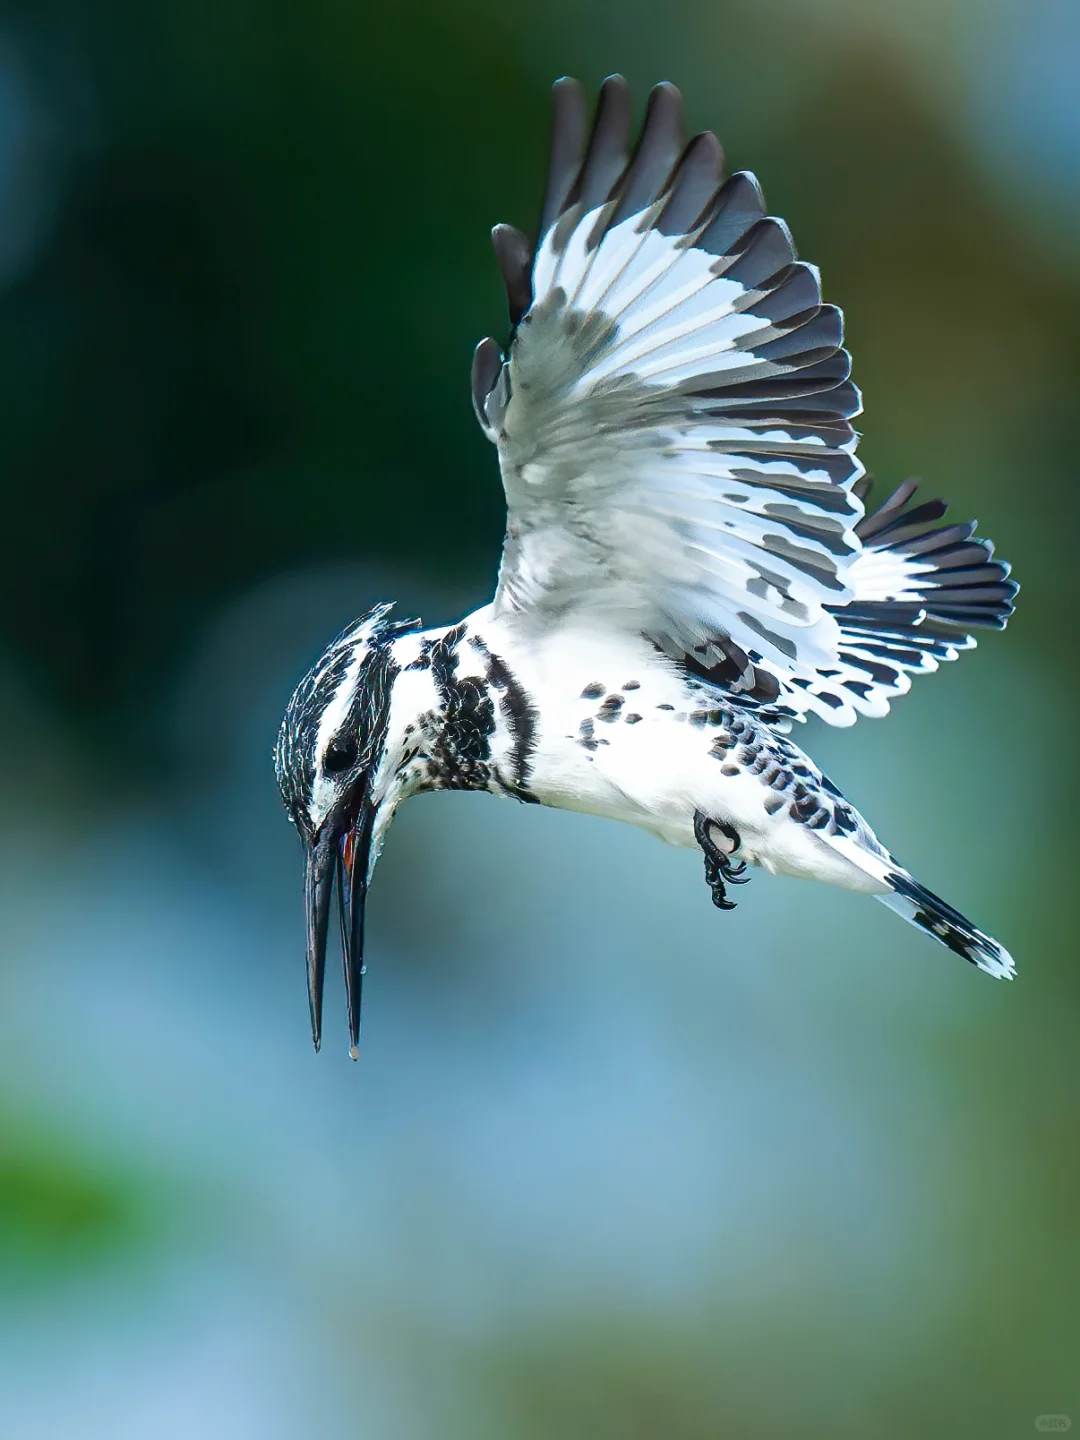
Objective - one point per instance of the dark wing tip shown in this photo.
(486, 368)
(656, 154)
(607, 151)
(566, 84)
(875, 522)
(514, 254)
(567, 147)
(615, 82)
(962, 583)
(694, 185)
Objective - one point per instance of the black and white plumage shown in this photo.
(688, 566)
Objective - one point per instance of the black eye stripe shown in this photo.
(340, 754)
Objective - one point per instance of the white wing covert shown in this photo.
(673, 423)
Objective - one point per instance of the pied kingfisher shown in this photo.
(688, 566)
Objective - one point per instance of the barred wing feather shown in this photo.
(674, 430)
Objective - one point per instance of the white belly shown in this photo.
(659, 778)
(621, 734)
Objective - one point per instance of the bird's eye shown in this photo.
(340, 755)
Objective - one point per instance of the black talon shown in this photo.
(718, 866)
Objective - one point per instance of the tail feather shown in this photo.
(920, 907)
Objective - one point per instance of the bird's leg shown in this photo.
(719, 871)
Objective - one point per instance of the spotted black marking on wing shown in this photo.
(722, 663)
(587, 735)
(745, 746)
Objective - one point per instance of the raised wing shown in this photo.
(674, 429)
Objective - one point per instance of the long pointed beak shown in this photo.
(318, 892)
(353, 868)
(343, 856)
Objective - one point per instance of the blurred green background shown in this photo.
(612, 1164)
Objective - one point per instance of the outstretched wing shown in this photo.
(674, 424)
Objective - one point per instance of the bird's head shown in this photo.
(338, 767)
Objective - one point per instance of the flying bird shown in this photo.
(690, 564)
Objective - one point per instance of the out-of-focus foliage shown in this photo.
(60, 1214)
(612, 1164)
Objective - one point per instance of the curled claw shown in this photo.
(718, 867)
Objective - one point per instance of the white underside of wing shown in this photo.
(630, 491)
(887, 575)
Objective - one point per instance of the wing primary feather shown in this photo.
(797, 294)
(956, 557)
(869, 525)
(934, 540)
(693, 185)
(911, 524)
(514, 254)
(995, 616)
(874, 613)
(824, 378)
(655, 156)
(816, 339)
(606, 156)
(486, 367)
(861, 489)
(942, 595)
(766, 250)
(567, 147)
(739, 205)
